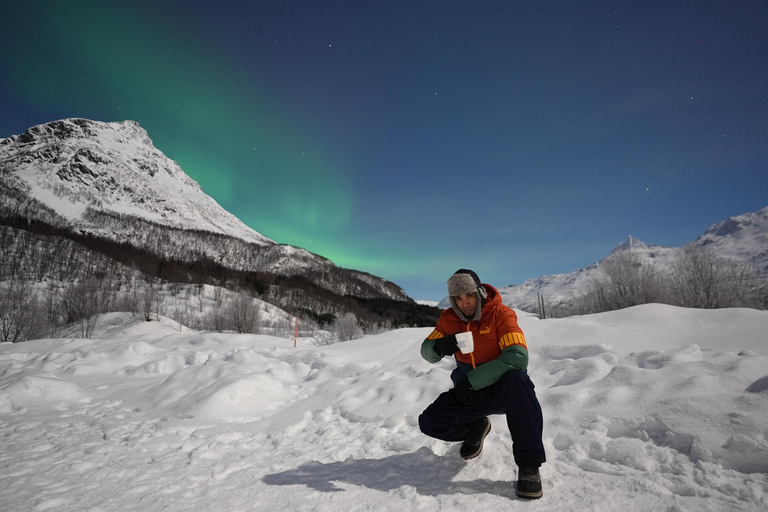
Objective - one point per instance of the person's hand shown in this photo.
(463, 391)
(447, 345)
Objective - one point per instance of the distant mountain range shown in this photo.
(102, 194)
(744, 237)
(106, 187)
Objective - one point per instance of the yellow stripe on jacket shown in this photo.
(435, 335)
(512, 338)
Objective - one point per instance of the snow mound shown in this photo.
(650, 408)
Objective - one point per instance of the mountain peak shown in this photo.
(78, 128)
(742, 237)
(631, 243)
(77, 165)
(733, 225)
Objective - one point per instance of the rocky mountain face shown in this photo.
(740, 238)
(105, 187)
(744, 237)
(84, 169)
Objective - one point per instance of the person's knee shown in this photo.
(514, 376)
(516, 380)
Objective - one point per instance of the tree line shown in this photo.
(37, 251)
(698, 278)
(50, 310)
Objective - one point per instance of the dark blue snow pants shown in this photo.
(449, 420)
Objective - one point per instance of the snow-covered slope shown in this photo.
(109, 181)
(74, 164)
(646, 409)
(744, 237)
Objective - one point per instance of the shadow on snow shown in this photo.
(427, 473)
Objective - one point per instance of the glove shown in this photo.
(463, 391)
(447, 345)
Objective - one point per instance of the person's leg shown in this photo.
(514, 396)
(450, 420)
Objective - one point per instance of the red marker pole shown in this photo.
(297, 333)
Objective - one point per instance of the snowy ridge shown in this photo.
(146, 418)
(744, 237)
(73, 165)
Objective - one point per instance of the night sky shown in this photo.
(412, 138)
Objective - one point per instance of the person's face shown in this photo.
(467, 303)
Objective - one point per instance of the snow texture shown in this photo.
(649, 408)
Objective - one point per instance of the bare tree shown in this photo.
(148, 299)
(182, 315)
(160, 302)
(106, 290)
(130, 300)
(21, 316)
(218, 296)
(200, 296)
(282, 328)
(217, 317)
(347, 327)
(82, 306)
(55, 312)
(243, 315)
(701, 279)
(740, 286)
(628, 281)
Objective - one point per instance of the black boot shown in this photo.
(473, 445)
(529, 483)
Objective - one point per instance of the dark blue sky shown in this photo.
(410, 139)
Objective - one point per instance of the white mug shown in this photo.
(466, 342)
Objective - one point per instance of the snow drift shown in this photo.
(650, 408)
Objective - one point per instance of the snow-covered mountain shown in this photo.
(744, 237)
(106, 186)
(561, 289)
(76, 165)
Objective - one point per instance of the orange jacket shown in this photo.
(496, 331)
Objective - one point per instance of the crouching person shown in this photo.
(490, 378)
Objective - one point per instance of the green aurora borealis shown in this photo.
(199, 110)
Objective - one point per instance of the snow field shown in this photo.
(650, 408)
